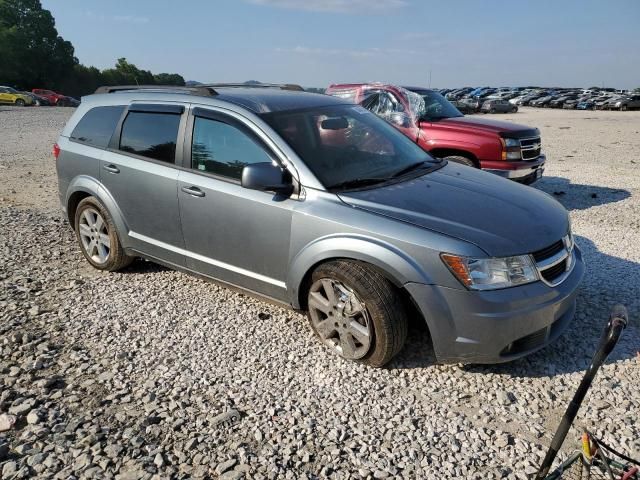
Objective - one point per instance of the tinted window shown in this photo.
(97, 125)
(223, 149)
(152, 135)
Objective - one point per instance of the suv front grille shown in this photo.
(555, 262)
(531, 148)
(549, 251)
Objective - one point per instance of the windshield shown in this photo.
(343, 144)
(436, 106)
(11, 90)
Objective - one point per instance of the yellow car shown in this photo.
(12, 96)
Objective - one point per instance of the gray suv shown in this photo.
(321, 206)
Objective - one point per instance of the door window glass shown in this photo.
(152, 135)
(223, 149)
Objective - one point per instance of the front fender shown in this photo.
(397, 266)
(91, 186)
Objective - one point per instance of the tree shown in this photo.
(32, 52)
(33, 55)
(169, 79)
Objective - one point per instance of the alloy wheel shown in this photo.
(340, 318)
(94, 236)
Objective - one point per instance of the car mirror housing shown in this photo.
(267, 177)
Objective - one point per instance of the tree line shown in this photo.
(33, 55)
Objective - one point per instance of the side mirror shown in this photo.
(267, 177)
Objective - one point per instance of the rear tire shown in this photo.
(20, 102)
(98, 237)
(493, 110)
(461, 160)
(624, 108)
(356, 312)
(514, 110)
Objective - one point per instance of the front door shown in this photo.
(236, 235)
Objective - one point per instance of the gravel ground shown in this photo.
(150, 373)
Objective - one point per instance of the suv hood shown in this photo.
(512, 130)
(499, 216)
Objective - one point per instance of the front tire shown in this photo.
(461, 160)
(98, 238)
(356, 312)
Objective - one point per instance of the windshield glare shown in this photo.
(436, 106)
(346, 143)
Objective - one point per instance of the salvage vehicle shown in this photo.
(11, 96)
(54, 98)
(317, 204)
(498, 106)
(507, 149)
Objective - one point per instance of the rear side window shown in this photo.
(97, 126)
(151, 135)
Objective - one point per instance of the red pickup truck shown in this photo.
(510, 150)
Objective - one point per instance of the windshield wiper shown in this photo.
(410, 168)
(357, 182)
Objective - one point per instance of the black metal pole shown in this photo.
(617, 322)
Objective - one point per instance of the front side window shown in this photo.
(346, 143)
(223, 149)
(150, 134)
(97, 125)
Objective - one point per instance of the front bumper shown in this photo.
(518, 170)
(500, 325)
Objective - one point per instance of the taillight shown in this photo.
(56, 150)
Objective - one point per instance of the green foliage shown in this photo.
(33, 55)
(31, 50)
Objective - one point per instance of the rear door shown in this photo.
(139, 171)
(236, 235)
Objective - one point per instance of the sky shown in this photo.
(317, 42)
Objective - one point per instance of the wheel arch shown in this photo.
(442, 152)
(393, 264)
(82, 187)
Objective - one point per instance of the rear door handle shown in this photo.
(193, 191)
(111, 169)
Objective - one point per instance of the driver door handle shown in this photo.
(193, 191)
(111, 168)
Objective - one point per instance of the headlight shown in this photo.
(491, 273)
(618, 104)
(511, 149)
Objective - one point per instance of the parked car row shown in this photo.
(329, 209)
(472, 100)
(37, 97)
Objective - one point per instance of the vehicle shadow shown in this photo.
(141, 265)
(579, 197)
(608, 280)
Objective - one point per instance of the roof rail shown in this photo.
(281, 86)
(202, 90)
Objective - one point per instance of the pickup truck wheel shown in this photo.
(462, 160)
(356, 312)
(98, 237)
(20, 102)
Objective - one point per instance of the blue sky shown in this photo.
(317, 42)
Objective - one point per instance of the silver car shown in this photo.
(321, 206)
